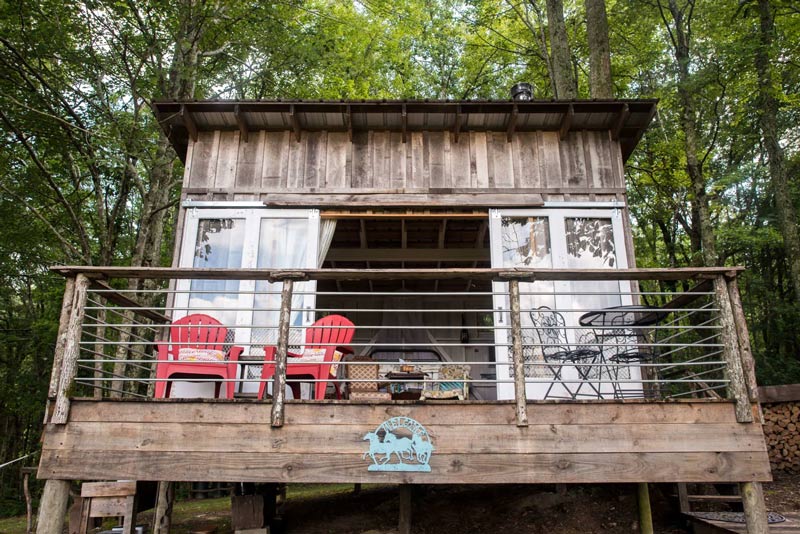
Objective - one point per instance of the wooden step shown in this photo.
(714, 498)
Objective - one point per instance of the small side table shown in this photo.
(405, 385)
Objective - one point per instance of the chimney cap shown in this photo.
(522, 91)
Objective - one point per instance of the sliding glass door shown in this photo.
(556, 238)
(228, 237)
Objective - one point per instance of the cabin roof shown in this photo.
(625, 119)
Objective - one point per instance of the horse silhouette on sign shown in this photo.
(410, 453)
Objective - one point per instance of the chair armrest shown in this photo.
(163, 352)
(234, 353)
(270, 350)
(345, 349)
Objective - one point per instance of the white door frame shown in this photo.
(556, 217)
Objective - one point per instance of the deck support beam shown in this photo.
(53, 507)
(404, 522)
(279, 380)
(755, 511)
(162, 518)
(645, 512)
(516, 355)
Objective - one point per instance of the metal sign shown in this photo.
(399, 444)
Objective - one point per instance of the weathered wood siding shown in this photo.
(221, 165)
(475, 443)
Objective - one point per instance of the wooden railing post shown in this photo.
(745, 351)
(737, 389)
(516, 355)
(279, 380)
(58, 355)
(71, 350)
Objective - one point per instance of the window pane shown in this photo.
(590, 245)
(218, 244)
(526, 243)
(282, 244)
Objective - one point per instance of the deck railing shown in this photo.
(524, 333)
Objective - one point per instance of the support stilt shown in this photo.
(53, 507)
(162, 519)
(404, 526)
(645, 513)
(755, 511)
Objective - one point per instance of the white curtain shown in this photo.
(327, 227)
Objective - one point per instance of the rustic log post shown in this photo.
(99, 349)
(745, 351)
(737, 390)
(162, 519)
(755, 511)
(516, 355)
(53, 507)
(58, 355)
(404, 522)
(645, 512)
(72, 350)
(279, 380)
(26, 490)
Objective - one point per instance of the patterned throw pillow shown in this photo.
(318, 356)
(200, 355)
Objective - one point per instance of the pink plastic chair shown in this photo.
(196, 331)
(332, 333)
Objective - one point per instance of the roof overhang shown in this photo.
(626, 120)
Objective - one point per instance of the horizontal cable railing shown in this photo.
(534, 334)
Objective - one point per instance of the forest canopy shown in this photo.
(87, 176)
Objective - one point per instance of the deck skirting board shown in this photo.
(337, 467)
(474, 443)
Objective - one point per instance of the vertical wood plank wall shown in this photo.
(220, 163)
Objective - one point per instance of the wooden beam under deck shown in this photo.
(474, 442)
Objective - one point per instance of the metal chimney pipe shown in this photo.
(522, 91)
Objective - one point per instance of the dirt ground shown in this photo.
(513, 509)
(482, 509)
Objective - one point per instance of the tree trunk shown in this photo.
(787, 217)
(178, 83)
(599, 50)
(701, 214)
(565, 84)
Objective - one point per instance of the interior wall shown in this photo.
(369, 328)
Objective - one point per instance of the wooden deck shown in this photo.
(609, 441)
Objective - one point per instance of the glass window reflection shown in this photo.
(219, 244)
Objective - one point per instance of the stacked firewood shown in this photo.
(782, 432)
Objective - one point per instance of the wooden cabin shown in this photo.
(487, 238)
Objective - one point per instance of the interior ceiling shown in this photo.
(386, 242)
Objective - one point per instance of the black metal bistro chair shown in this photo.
(551, 330)
(623, 339)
